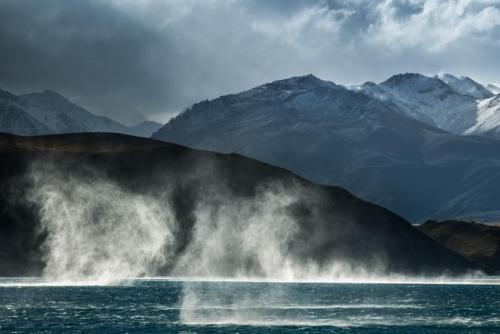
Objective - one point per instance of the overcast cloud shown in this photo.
(126, 58)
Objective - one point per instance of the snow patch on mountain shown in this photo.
(488, 118)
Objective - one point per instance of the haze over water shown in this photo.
(166, 306)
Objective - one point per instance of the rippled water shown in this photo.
(165, 306)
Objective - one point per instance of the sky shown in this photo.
(150, 59)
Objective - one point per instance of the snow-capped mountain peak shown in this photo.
(308, 81)
(306, 105)
(303, 99)
(456, 104)
(414, 83)
(428, 99)
(465, 86)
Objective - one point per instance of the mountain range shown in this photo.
(49, 112)
(425, 147)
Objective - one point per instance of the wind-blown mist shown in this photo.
(102, 208)
(238, 237)
(257, 238)
(97, 231)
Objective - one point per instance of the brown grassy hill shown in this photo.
(478, 242)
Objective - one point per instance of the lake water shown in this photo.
(168, 306)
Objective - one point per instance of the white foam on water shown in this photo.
(268, 307)
(20, 282)
(271, 306)
(272, 323)
(396, 279)
(293, 307)
(39, 281)
(346, 323)
(309, 307)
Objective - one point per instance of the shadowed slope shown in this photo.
(222, 195)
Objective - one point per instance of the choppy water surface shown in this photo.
(166, 306)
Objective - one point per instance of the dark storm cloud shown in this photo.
(85, 49)
(124, 58)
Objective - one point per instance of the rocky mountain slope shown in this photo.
(15, 119)
(49, 112)
(361, 138)
(73, 206)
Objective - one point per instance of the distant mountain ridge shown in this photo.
(49, 112)
(388, 143)
(15, 119)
